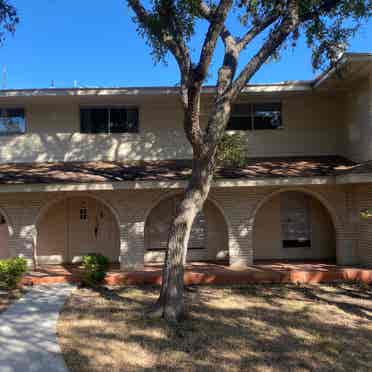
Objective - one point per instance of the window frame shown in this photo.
(251, 115)
(298, 243)
(83, 213)
(109, 108)
(3, 134)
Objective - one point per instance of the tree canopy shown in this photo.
(8, 19)
(327, 25)
(168, 26)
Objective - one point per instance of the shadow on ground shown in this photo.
(255, 328)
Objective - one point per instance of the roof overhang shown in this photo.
(105, 175)
(351, 68)
(146, 185)
(293, 86)
(220, 183)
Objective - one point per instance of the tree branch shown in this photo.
(175, 45)
(226, 36)
(216, 24)
(277, 36)
(256, 30)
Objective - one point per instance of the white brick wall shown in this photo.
(363, 200)
(237, 204)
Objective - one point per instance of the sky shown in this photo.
(95, 43)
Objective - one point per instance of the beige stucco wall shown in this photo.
(131, 208)
(267, 235)
(53, 133)
(358, 103)
(311, 126)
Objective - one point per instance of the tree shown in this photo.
(168, 27)
(8, 19)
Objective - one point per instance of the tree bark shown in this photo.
(170, 304)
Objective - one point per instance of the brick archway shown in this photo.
(99, 231)
(323, 202)
(211, 221)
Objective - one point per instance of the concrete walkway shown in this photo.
(28, 339)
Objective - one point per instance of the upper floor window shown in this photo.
(109, 120)
(256, 116)
(12, 121)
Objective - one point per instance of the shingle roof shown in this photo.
(169, 170)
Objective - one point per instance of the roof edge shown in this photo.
(284, 86)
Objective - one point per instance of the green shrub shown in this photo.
(232, 150)
(95, 266)
(12, 271)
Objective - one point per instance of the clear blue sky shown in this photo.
(95, 42)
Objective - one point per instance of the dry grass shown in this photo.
(8, 297)
(256, 328)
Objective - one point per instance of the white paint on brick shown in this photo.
(238, 206)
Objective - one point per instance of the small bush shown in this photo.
(232, 150)
(95, 266)
(12, 271)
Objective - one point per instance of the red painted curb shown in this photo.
(219, 277)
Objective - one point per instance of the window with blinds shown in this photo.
(295, 220)
(159, 220)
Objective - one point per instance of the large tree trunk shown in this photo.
(170, 304)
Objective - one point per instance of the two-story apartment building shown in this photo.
(100, 170)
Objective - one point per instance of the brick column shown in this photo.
(347, 239)
(132, 245)
(22, 242)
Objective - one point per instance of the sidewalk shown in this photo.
(28, 339)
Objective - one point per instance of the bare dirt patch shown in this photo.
(255, 328)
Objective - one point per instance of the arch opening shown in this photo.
(208, 238)
(4, 237)
(75, 226)
(294, 226)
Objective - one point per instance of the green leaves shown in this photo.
(327, 25)
(168, 18)
(366, 213)
(231, 150)
(8, 19)
(12, 271)
(95, 266)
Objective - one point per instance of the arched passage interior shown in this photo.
(208, 239)
(294, 225)
(75, 226)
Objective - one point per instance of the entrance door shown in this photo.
(92, 229)
(75, 227)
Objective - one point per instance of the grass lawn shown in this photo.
(255, 328)
(7, 297)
